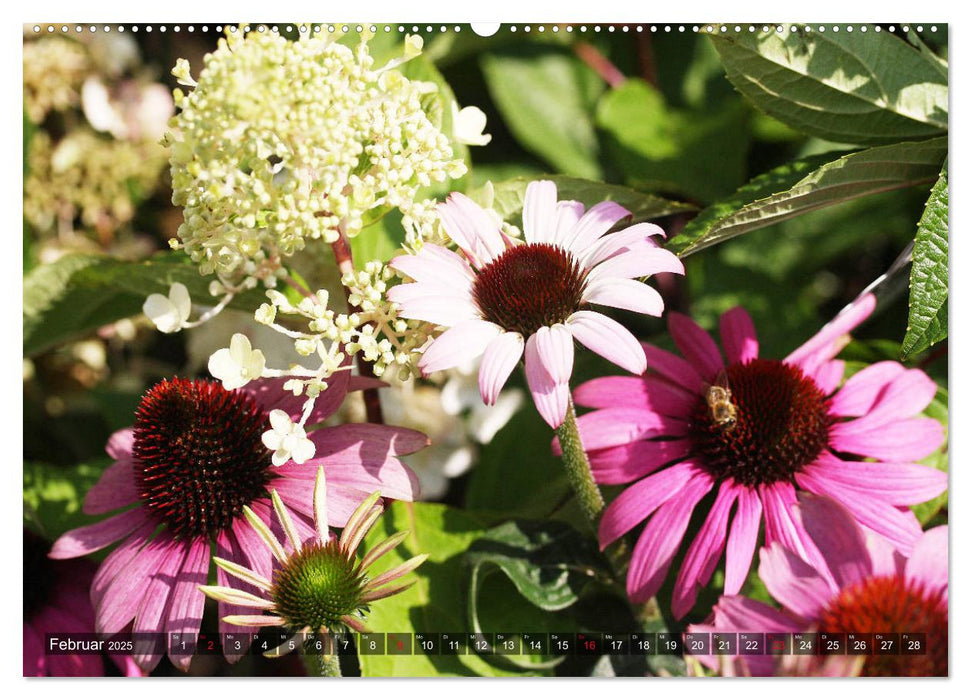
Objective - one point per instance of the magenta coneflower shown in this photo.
(861, 585)
(56, 602)
(192, 462)
(318, 584)
(754, 431)
(503, 299)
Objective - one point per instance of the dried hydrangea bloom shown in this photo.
(860, 585)
(793, 428)
(193, 473)
(280, 142)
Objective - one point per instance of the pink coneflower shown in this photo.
(318, 584)
(502, 299)
(192, 462)
(861, 585)
(754, 431)
(56, 602)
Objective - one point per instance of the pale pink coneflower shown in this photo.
(862, 585)
(319, 584)
(195, 458)
(503, 300)
(755, 432)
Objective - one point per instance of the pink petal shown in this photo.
(599, 219)
(742, 539)
(228, 547)
(636, 237)
(500, 359)
(904, 396)
(471, 228)
(674, 368)
(649, 392)
(793, 582)
(702, 556)
(900, 440)
(861, 390)
(738, 613)
(738, 336)
(829, 335)
(900, 484)
(120, 443)
(435, 264)
(270, 394)
(118, 560)
(657, 545)
(551, 397)
(91, 538)
(828, 376)
(342, 501)
(464, 341)
(641, 262)
(608, 339)
(609, 427)
(426, 303)
(115, 489)
(900, 527)
(361, 443)
(554, 347)
(568, 213)
(637, 502)
(625, 294)
(124, 595)
(634, 460)
(393, 479)
(928, 561)
(782, 524)
(540, 212)
(696, 345)
(185, 613)
(841, 541)
(886, 560)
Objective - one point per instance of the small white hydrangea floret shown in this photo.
(468, 126)
(169, 313)
(287, 439)
(238, 364)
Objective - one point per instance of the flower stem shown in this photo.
(322, 665)
(345, 264)
(578, 467)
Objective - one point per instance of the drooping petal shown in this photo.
(827, 337)
(568, 213)
(704, 552)
(735, 612)
(783, 525)
(639, 501)
(119, 560)
(625, 294)
(609, 427)
(608, 339)
(897, 483)
(642, 393)
(696, 345)
(472, 229)
(862, 390)
(367, 443)
(674, 368)
(635, 460)
(641, 262)
(793, 582)
(460, 343)
(738, 337)
(91, 538)
(499, 360)
(657, 545)
(928, 562)
(554, 347)
(599, 219)
(120, 443)
(428, 303)
(551, 397)
(742, 539)
(840, 540)
(632, 238)
(123, 597)
(185, 613)
(540, 212)
(115, 489)
(828, 376)
(436, 265)
(899, 440)
(904, 396)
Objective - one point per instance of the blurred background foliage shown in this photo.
(650, 113)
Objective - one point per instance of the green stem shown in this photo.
(322, 665)
(578, 468)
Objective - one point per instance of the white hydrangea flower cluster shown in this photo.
(280, 142)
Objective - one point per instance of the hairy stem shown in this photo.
(345, 263)
(578, 468)
(322, 665)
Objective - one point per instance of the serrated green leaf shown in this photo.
(700, 155)
(809, 184)
(80, 292)
(53, 495)
(436, 603)
(866, 89)
(927, 319)
(509, 194)
(547, 97)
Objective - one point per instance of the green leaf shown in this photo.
(927, 320)
(80, 292)
(698, 154)
(509, 196)
(547, 97)
(436, 603)
(809, 184)
(53, 495)
(548, 562)
(866, 89)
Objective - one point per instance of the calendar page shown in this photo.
(534, 349)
